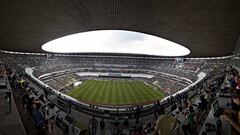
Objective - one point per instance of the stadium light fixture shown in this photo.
(115, 41)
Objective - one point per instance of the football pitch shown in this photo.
(115, 92)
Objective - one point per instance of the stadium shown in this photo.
(119, 67)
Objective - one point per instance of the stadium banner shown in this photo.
(115, 75)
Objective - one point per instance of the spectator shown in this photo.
(41, 98)
(173, 107)
(138, 114)
(66, 131)
(190, 117)
(102, 127)
(165, 124)
(93, 125)
(185, 104)
(38, 117)
(227, 112)
(232, 81)
(115, 129)
(203, 103)
(156, 109)
(237, 80)
(189, 128)
(125, 127)
(139, 131)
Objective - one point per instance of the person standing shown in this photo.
(102, 127)
(93, 125)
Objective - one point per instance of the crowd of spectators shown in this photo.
(32, 105)
(42, 65)
(232, 83)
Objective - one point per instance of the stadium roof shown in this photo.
(206, 27)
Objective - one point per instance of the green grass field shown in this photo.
(115, 92)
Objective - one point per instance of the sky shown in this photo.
(115, 41)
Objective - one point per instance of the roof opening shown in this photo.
(115, 41)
